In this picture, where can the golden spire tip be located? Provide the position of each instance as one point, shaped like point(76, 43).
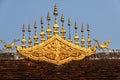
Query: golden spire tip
point(48, 16)
point(29, 30)
point(82, 28)
point(55, 10)
point(35, 25)
point(68, 21)
point(23, 28)
point(41, 21)
point(62, 18)
point(76, 25)
point(88, 27)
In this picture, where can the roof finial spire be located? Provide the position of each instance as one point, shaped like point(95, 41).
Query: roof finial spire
point(48, 16)
point(69, 36)
point(76, 38)
point(23, 37)
point(35, 36)
point(56, 27)
point(48, 29)
point(62, 18)
point(41, 20)
point(42, 34)
point(68, 21)
point(35, 25)
point(76, 26)
point(63, 29)
point(55, 10)
point(83, 40)
point(29, 39)
point(89, 40)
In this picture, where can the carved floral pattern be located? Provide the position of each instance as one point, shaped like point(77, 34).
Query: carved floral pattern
point(55, 50)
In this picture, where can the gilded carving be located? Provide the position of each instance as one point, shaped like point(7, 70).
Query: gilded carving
point(56, 50)
point(103, 46)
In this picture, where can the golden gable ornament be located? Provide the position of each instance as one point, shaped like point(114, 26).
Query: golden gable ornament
point(56, 49)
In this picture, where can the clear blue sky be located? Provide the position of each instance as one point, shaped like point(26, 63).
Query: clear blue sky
point(102, 15)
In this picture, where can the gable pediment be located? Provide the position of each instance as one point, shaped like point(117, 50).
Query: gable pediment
point(55, 50)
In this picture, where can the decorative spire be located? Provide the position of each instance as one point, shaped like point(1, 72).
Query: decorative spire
point(69, 36)
point(35, 25)
point(42, 33)
point(55, 10)
point(29, 30)
point(83, 40)
point(89, 40)
point(56, 26)
point(63, 29)
point(23, 28)
point(76, 38)
point(69, 28)
point(56, 31)
point(62, 18)
point(29, 39)
point(35, 36)
point(41, 21)
point(23, 37)
point(48, 16)
point(68, 21)
point(48, 29)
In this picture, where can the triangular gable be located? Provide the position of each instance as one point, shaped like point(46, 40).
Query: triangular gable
point(55, 50)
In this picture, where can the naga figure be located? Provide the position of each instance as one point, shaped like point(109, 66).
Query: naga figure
point(103, 46)
point(10, 46)
point(94, 48)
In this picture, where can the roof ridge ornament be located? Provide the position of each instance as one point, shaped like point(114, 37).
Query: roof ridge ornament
point(56, 49)
point(23, 37)
point(89, 39)
point(42, 33)
point(83, 40)
point(48, 29)
point(56, 26)
point(29, 38)
point(63, 31)
point(76, 38)
point(35, 35)
point(69, 36)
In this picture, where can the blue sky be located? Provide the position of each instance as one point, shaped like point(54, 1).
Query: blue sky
point(102, 15)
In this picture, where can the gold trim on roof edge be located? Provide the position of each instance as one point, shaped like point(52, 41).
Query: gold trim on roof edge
point(56, 50)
